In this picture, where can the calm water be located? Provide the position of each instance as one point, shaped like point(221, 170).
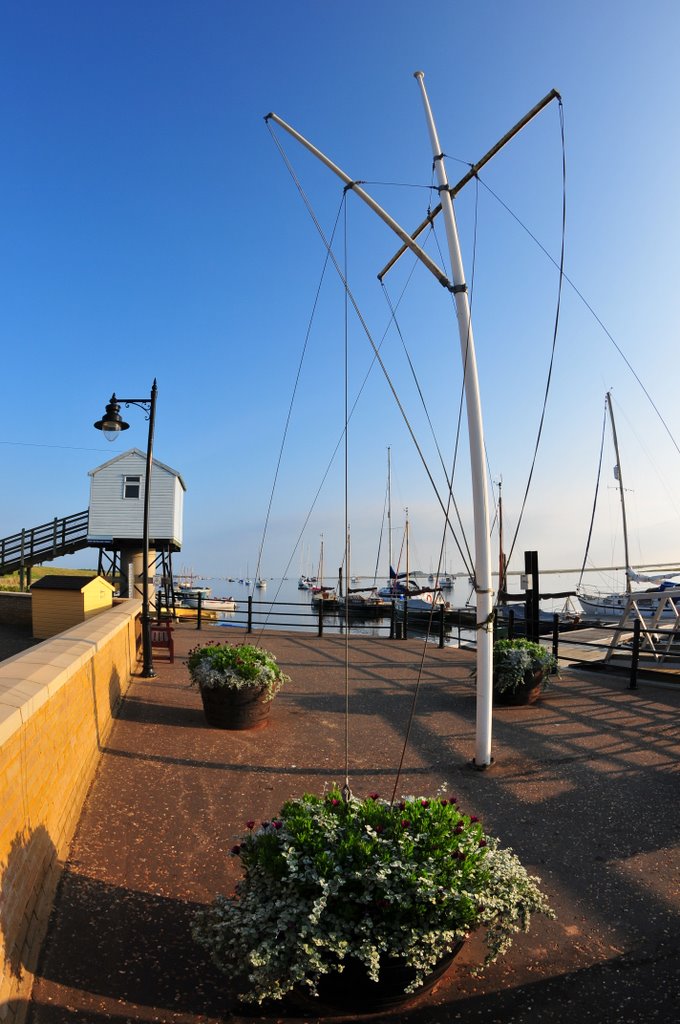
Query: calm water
point(281, 605)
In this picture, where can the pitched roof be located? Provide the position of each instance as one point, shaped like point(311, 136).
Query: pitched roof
point(67, 582)
point(142, 455)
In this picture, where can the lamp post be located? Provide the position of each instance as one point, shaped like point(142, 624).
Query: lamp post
point(112, 423)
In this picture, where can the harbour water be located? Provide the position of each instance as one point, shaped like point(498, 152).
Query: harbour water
point(281, 605)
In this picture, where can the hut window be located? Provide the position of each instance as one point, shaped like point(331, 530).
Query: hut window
point(132, 486)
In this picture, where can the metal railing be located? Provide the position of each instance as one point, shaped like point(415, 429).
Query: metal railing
point(43, 543)
point(252, 615)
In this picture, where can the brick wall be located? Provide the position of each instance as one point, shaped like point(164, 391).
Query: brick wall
point(15, 608)
point(57, 702)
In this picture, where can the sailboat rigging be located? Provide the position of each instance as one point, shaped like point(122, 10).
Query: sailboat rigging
point(458, 289)
point(612, 606)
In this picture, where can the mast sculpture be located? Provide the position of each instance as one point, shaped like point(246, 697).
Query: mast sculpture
point(482, 758)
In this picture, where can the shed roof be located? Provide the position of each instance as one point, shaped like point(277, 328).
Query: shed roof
point(142, 455)
point(68, 582)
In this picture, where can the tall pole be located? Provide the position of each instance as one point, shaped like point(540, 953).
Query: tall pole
point(389, 514)
point(483, 583)
point(619, 477)
point(148, 669)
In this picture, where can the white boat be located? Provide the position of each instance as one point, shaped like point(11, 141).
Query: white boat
point(187, 591)
point(406, 593)
point(653, 603)
point(209, 604)
point(261, 584)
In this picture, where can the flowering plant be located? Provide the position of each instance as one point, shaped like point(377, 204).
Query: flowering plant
point(516, 661)
point(332, 880)
point(236, 666)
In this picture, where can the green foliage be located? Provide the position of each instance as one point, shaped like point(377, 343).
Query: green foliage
point(516, 661)
point(236, 666)
point(330, 879)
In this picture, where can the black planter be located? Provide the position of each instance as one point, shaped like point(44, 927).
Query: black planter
point(353, 991)
point(227, 708)
point(528, 693)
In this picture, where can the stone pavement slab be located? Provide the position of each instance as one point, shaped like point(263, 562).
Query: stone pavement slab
point(584, 788)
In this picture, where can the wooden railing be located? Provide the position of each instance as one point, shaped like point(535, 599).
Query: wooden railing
point(43, 543)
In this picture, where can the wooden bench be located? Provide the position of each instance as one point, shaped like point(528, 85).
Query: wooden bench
point(161, 636)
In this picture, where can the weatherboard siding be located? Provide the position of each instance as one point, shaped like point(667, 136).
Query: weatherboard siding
point(113, 516)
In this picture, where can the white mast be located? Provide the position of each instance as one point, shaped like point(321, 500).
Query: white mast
point(483, 585)
point(484, 590)
point(389, 514)
point(619, 477)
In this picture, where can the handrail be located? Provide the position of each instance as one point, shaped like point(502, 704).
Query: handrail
point(45, 542)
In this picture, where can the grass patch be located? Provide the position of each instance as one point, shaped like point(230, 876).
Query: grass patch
point(12, 580)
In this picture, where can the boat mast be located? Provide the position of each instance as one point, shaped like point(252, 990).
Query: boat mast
point(619, 477)
point(389, 514)
point(501, 556)
point(480, 498)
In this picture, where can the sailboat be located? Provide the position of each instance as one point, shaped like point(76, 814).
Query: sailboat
point(646, 604)
point(406, 592)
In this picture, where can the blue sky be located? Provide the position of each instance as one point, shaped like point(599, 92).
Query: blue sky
point(151, 229)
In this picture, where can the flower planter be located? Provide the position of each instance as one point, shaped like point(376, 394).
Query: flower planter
point(352, 991)
point(528, 693)
point(382, 888)
point(227, 708)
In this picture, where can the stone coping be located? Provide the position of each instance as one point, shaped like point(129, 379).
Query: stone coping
point(30, 678)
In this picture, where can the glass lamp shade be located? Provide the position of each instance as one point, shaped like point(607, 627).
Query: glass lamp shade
point(112, 422)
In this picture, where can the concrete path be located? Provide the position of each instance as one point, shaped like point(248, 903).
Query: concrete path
point(584, 788)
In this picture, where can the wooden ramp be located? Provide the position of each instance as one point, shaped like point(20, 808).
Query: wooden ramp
point(589, 644)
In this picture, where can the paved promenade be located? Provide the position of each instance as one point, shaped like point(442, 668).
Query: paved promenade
point(584, 788)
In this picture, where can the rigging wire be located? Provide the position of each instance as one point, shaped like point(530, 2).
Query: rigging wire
point(597, 488)
point(590, 309)
point(555, 332)
point(448, 479)
point(362, 321)
point(346, 790)
point(288, 419)
point(430, 619)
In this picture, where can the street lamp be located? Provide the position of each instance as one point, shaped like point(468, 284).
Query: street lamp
point(111, 424)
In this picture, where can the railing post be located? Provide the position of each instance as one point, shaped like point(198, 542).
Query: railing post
point(632, 685)
point(511, 624)
point(405, 632)
point(393, 620)
point(199, 609)
point(556, 636)
point(441, 625)
point(321, 617)
point(249, 627)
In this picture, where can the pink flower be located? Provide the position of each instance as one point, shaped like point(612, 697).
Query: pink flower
point(405, 823)
point(277, 824)
point(373, 796)
point(424, 803)
point(250, 824)
point(473, 819)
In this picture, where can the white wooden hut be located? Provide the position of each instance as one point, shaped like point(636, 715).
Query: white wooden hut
point(116, 514)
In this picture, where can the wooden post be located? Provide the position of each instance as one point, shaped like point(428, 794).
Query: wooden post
point(249, 627)
point(441, 625)
point(556, 636)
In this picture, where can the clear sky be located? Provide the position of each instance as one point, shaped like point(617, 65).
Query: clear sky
point(150, 228)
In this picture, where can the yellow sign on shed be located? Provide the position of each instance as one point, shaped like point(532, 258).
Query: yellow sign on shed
point(60, 602)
